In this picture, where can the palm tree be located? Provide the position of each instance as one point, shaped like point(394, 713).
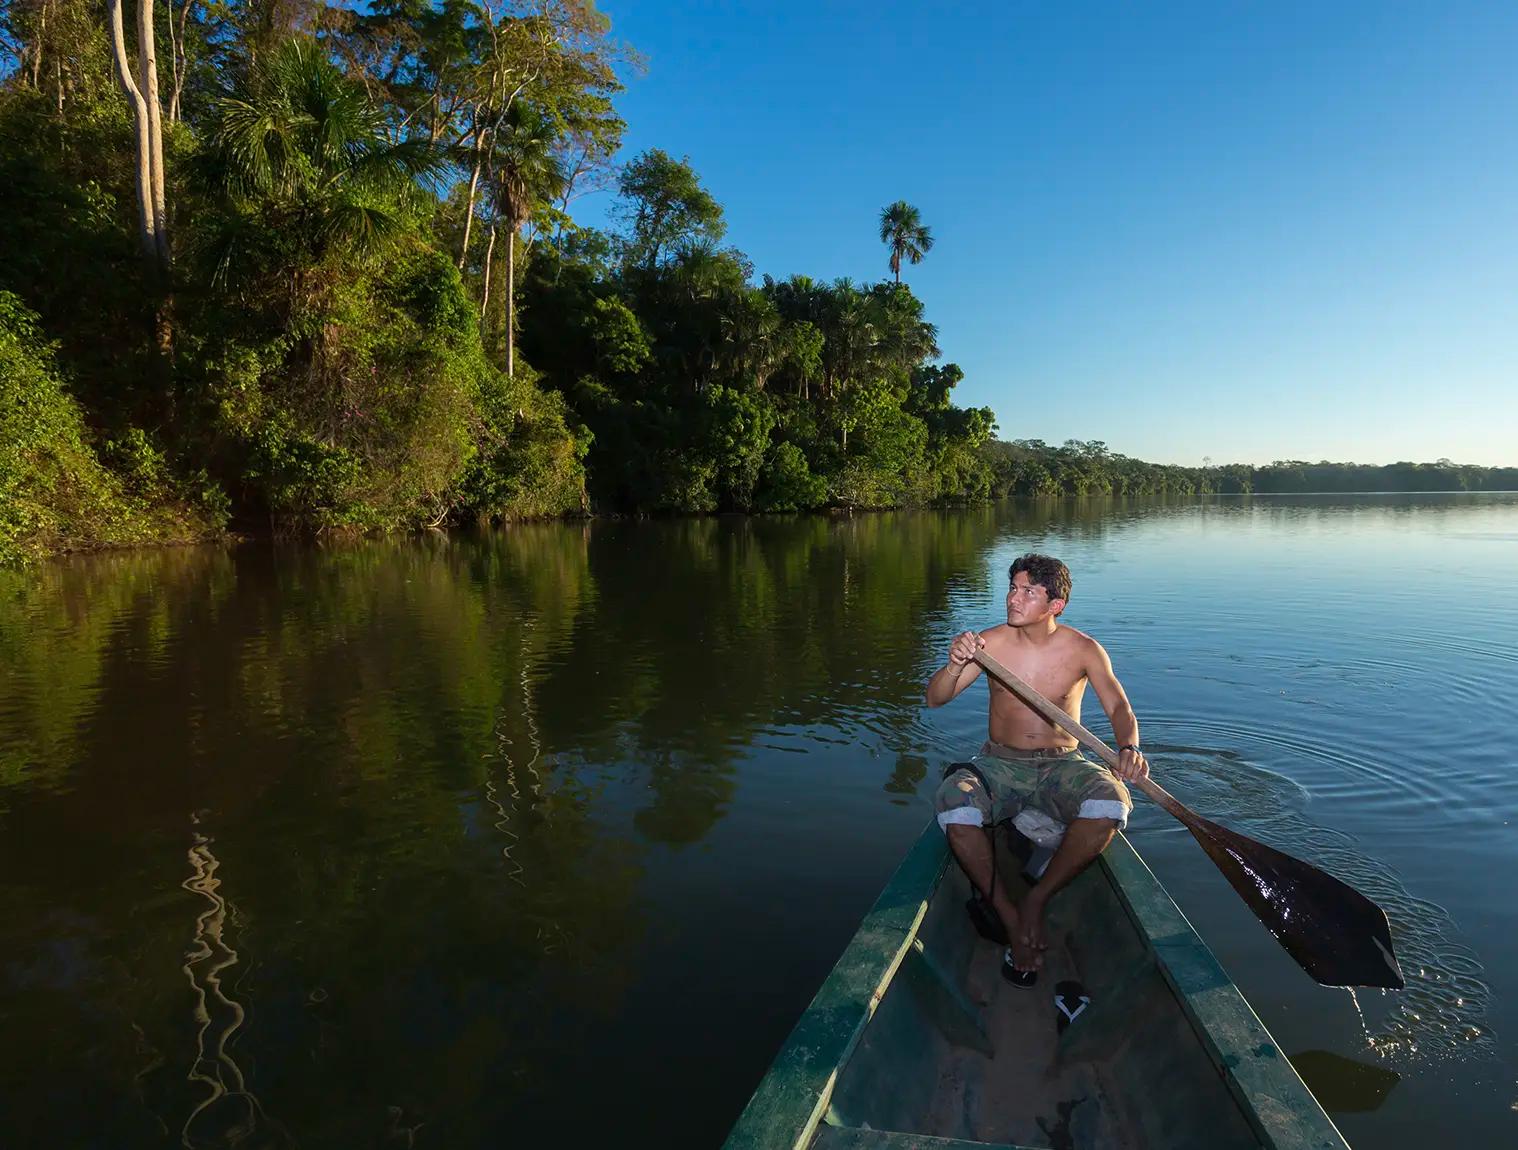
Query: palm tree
point(851, 336)
point(524, 172)
point(300, 153)
point(699, 281)
point(751, 334)
point(904, 338)
point(902, 230)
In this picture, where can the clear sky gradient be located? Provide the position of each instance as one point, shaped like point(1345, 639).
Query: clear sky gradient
point(1239, 231)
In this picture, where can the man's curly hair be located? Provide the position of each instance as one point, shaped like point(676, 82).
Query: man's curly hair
point(1043, 571)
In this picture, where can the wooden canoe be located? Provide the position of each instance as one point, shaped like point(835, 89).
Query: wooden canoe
point(915, 1042)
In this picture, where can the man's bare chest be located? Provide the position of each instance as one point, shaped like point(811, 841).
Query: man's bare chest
point(1055, 680)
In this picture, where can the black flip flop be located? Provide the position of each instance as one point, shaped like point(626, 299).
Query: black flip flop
point(1070, 1000)
point(1021, 979)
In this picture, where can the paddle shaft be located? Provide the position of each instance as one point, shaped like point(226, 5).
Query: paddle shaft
point(1028, 694)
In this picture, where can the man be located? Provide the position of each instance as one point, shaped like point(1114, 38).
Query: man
point(1030, 770)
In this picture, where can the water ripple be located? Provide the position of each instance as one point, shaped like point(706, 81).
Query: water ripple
point(1443, 1011)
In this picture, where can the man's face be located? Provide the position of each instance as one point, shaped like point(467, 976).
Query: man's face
point(1028, 603)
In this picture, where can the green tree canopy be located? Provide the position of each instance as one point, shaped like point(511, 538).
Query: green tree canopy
point(664, 208)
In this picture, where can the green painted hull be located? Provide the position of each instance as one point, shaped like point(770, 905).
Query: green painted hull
point(915, 1042)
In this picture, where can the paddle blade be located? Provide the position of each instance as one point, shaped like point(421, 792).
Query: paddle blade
point(1333, 931)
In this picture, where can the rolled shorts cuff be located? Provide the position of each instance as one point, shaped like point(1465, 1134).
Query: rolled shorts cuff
point(1105, 809)
point(961, 816)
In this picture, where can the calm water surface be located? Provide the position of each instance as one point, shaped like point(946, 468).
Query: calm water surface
point(478, 840)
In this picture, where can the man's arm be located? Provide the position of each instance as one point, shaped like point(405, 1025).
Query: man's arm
point(958, 673)
point(1125, 728)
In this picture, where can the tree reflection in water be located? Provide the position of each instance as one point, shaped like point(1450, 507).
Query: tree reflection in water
point(230, 1114)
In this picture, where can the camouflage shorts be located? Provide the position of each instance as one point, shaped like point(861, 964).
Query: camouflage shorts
point(1042, 793)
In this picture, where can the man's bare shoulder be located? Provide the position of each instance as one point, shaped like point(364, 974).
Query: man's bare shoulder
point(997, 635)
point(1080, 643)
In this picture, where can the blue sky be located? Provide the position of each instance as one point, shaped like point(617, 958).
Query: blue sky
point(1243, 231)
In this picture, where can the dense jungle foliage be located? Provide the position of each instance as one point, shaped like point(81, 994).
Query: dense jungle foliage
point(303, 266)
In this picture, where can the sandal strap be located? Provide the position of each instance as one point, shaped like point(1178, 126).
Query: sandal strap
point(1072, 1015)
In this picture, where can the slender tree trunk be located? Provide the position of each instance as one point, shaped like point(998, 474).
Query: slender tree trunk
point(179, 55)
point(174, 58)
point(147, 221)
point(148, 62)
point(474, 186)
point(511, 279)
point(436, 116)
point(37, 51)
point(485, 290)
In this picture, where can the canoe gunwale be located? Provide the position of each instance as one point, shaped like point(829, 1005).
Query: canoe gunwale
point(1253, 1066)
point(796, 1092)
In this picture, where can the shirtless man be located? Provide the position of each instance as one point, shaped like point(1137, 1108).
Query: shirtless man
point(1035, 773)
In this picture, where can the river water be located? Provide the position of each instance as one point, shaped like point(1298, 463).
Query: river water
point(489, 838)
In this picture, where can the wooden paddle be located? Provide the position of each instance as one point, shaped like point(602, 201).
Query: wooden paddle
point(1333, 931)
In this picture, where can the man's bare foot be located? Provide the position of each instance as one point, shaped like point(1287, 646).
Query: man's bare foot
point(1031, 933)
point(1024, 957)
point(1020, 964)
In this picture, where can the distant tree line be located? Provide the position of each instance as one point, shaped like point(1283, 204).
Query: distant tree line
point(1441, 475)
point(1031, 467)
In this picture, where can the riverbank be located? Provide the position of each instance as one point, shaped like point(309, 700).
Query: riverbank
point(1080, 506)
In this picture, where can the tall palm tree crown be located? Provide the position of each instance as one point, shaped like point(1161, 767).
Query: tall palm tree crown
point(300, 147)
point(902, 230)
point(525, 169)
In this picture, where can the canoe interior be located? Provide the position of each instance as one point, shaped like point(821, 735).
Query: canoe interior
point(915, 1040)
